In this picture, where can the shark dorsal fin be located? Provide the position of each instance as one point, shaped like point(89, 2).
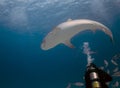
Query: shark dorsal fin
point(69, 19)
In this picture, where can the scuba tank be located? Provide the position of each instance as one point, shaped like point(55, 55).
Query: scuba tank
point(96, 78)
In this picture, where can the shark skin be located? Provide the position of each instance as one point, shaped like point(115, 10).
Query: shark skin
point(66, 30)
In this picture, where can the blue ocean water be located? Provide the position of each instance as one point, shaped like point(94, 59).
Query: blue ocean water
point(24, 24)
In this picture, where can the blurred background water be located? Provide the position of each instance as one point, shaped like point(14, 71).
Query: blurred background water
point(24, 24)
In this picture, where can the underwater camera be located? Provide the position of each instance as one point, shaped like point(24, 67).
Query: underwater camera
point(96, 78)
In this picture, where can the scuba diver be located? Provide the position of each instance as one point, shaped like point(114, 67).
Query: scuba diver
point(96, 78)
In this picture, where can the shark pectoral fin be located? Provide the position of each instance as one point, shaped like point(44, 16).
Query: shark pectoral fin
point(69, 44)
point(93, 30)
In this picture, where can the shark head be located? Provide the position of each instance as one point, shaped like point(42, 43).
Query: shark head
point(51, 40)
point(48, 42)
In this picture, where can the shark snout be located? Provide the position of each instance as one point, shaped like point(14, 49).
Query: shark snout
point(43, 45)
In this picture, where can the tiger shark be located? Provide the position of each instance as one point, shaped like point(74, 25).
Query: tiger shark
point(66, 30)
